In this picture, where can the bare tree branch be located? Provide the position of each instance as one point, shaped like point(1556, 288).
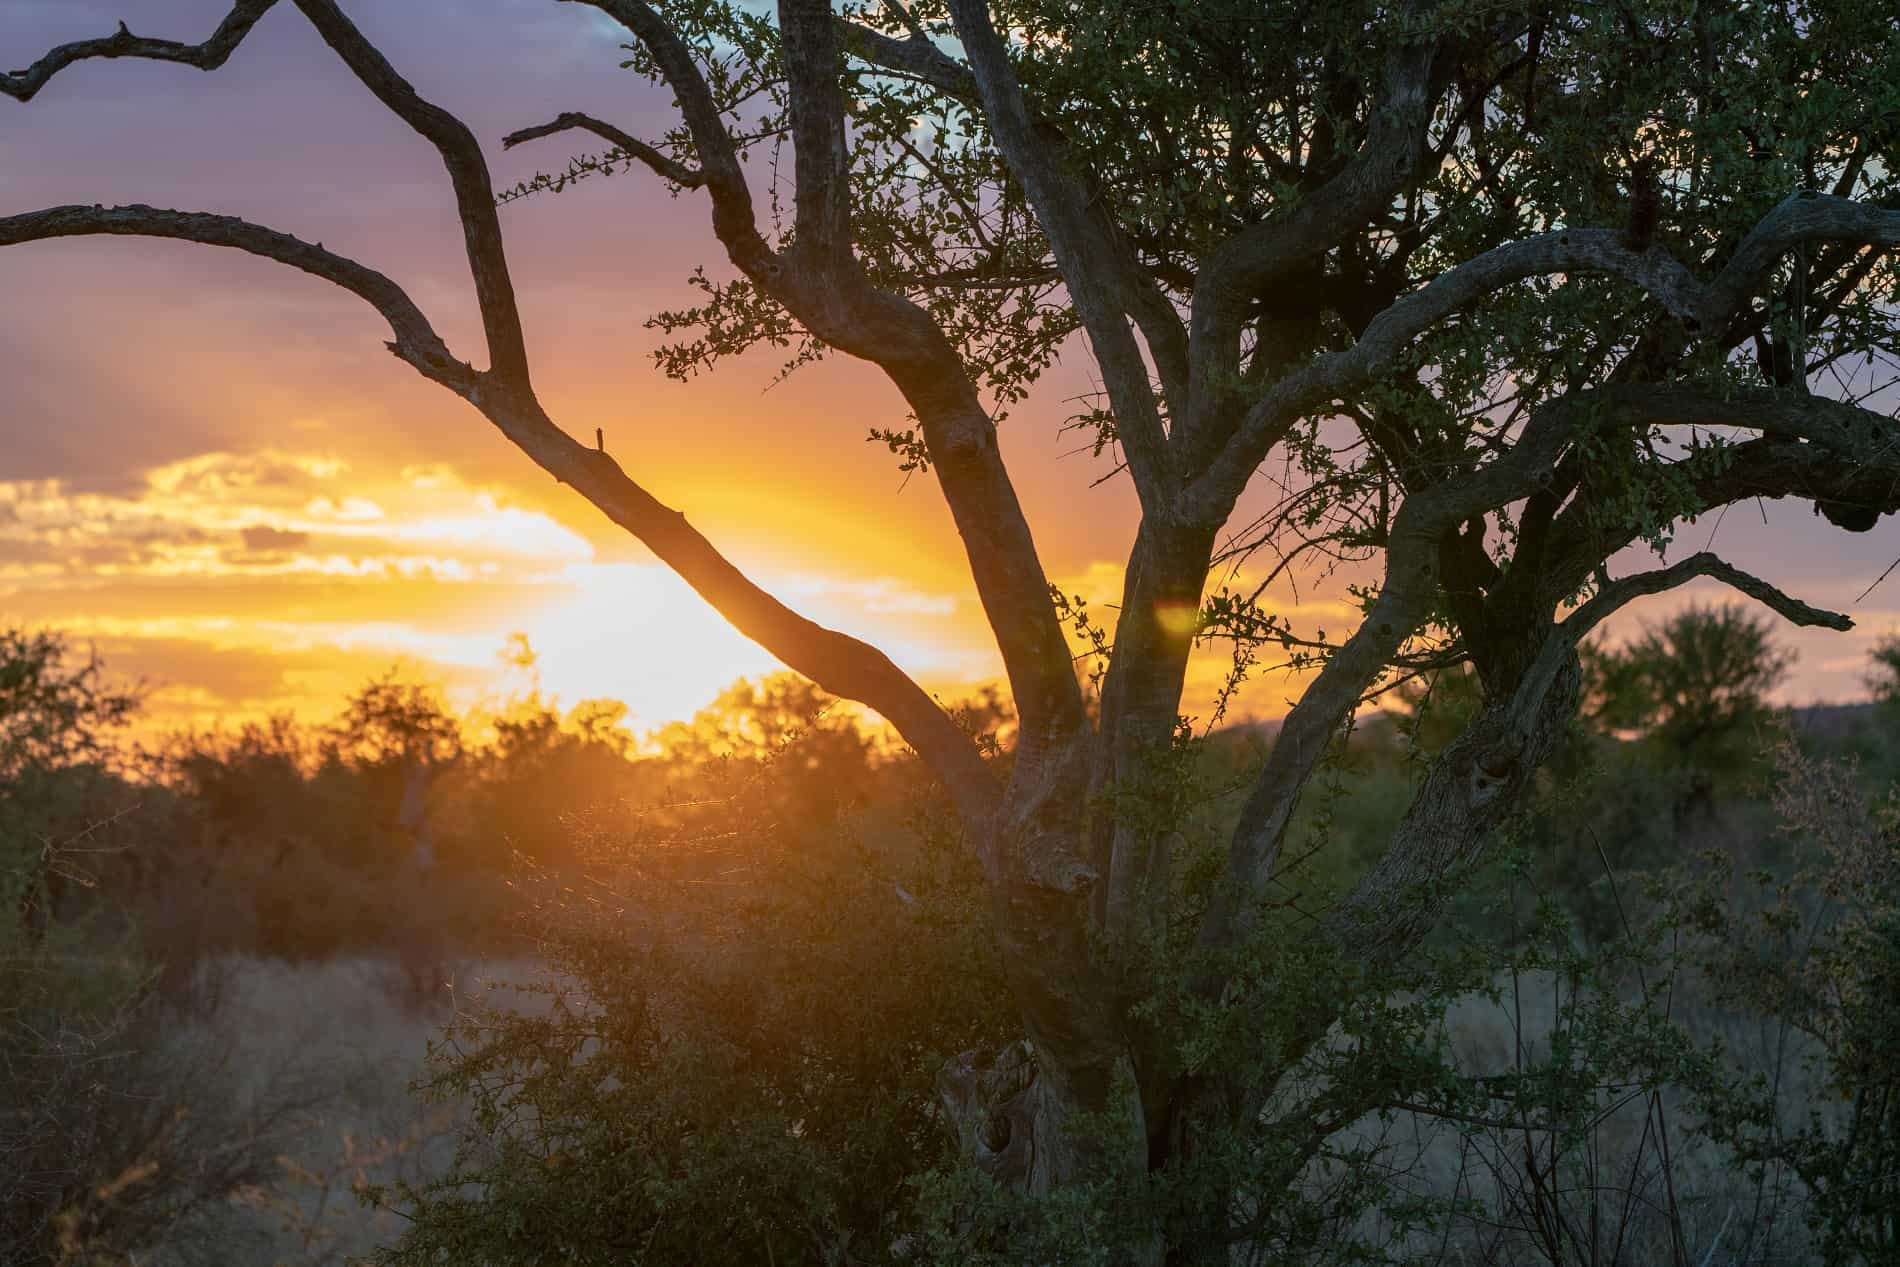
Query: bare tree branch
point(21, 85)
point(734, 222)
point(468, 174)
point(844, 665)
point(1618, 594)
point(415, 339)
point(679, 173)
point(1844, 459)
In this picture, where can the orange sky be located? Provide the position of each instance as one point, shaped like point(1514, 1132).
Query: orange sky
point(209, 466)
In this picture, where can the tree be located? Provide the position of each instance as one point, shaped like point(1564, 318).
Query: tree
point(56, 715)
point(1698, 677)
point(1884, 679)
point(1505, 288)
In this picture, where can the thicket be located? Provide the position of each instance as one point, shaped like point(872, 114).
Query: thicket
point(132, 875)
point(759, 1019)
point(765, 953)
point(105, 1147)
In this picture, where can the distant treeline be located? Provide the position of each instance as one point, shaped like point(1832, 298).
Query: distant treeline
point(392, 829)
point(395, 827)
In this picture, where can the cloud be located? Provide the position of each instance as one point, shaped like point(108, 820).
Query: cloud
point(245, 583)
point(277, 514)
point(262, 538)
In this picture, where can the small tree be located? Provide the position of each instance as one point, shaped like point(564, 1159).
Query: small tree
point(1884, 679)
point(1697, 680)
point(390, 723)
point(1505, 288)
point(57, 715)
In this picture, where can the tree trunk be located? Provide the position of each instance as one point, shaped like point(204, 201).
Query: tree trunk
point(1015, 1112)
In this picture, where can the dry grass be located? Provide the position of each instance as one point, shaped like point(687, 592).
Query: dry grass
point(340, 1041)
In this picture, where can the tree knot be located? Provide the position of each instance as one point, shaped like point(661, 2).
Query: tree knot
point(989, 1101)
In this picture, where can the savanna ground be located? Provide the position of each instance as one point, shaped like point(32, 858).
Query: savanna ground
point(512, 987)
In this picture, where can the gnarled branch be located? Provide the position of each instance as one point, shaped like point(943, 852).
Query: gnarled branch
point(844, 665)
point(1700, 307)
point(415, 339)
point(916, 57)
point(212, 53)
point(627, 143)
point(468, 174)
point(1803, 217)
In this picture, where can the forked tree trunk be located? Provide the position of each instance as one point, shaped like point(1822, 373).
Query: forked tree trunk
point(1015, 1111)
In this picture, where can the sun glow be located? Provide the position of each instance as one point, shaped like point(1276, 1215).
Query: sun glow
point(638, 634)
point(239, 584)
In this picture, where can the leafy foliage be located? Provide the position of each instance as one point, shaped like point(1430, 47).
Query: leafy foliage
point(736, 1040)
point(1819, 951)
point(56, 722)
point(108, 1143)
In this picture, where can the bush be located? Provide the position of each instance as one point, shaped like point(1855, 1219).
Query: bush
point(1819, 953)
point(109, 1142)
point(735, 1044)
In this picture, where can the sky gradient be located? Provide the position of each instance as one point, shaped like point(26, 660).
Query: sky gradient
point(210, 467)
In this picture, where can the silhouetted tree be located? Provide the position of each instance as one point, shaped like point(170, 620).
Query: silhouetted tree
point(1563, 276)
point(1884, 679)
point(1693, 681)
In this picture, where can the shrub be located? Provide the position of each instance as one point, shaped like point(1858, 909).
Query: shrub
point(735, 1043)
